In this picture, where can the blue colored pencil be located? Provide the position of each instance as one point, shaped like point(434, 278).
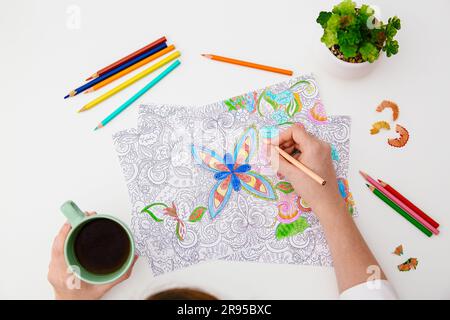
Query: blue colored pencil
point(138, 94)
point(116, 70)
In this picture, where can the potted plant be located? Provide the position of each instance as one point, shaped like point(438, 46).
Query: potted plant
point(356, 36)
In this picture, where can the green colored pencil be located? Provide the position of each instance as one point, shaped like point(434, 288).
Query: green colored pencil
point(402, 212)
point(138, 94)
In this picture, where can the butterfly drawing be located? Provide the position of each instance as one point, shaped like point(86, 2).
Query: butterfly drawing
point(233, 172)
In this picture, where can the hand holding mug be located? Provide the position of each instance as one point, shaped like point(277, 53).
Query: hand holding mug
point(68, 284)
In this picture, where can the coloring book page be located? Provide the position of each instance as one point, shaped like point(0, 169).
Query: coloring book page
point(202, 189)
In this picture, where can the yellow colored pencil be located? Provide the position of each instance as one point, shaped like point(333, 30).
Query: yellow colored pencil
point(130, 81)
point(131, 68)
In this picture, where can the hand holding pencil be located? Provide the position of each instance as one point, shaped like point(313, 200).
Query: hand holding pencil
point(316, 156)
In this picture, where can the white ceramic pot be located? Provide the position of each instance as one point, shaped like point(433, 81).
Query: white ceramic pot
point(343, 69)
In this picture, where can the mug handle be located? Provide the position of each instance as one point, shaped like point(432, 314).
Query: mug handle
point(72, 213)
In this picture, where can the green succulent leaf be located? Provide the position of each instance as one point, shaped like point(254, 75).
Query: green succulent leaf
point(323, 17)
point(345, 7)
point(329, 38)
point(349, 37)
point(348, 51)
point(369, 52)
point(391, 47)
point(395, 22)
point(334, 23)
point(366, 11)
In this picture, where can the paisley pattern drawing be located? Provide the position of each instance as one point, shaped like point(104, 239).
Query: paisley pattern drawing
point(241, 218)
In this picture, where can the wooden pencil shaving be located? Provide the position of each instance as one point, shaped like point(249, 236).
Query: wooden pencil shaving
point(408, 265)
point(377, 126)
point(391, 105)
point(402, 139)
point(398, 251)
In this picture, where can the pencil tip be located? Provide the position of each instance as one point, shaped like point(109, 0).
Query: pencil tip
point(67, 96)
point(81, 110)
point(96, 128)
point(89, 78)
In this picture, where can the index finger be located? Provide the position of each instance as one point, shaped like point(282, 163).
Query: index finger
point(295, 134)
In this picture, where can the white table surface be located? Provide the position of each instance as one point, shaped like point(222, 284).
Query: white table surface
point(49, 153)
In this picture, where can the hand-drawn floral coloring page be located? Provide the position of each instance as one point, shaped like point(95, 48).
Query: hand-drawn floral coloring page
point(201, 187)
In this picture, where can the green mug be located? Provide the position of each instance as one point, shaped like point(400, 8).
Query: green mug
point(78, 219)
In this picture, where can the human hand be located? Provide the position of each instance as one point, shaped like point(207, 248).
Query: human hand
point(60, 278)
point(316, 155)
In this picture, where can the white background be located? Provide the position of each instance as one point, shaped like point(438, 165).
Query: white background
point(49, 153)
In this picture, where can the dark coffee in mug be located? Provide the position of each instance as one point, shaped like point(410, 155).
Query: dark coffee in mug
point(102, 246)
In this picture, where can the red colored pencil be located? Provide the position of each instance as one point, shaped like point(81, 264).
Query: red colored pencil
point(409, 204)
point(127, 58)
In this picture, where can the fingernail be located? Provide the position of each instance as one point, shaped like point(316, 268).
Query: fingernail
point(299, 124)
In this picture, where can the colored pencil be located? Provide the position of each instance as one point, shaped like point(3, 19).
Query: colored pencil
point(127, 58)
point(116, 70)
point(130, 68)
point(301, 166)
point(409, 203)
point(399, 210)
point(130, 81)
point(138, 94)
point(399, 203)
point(248, 64)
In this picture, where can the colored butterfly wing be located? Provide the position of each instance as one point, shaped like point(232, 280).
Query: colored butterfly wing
point(257, 184)
point(208, 159)
point(219, 196)
point(245, 147)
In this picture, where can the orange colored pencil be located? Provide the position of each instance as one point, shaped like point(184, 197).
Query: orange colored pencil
point(130, 68)
point(248, 64)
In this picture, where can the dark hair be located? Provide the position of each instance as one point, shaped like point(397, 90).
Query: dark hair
point(182, 294)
